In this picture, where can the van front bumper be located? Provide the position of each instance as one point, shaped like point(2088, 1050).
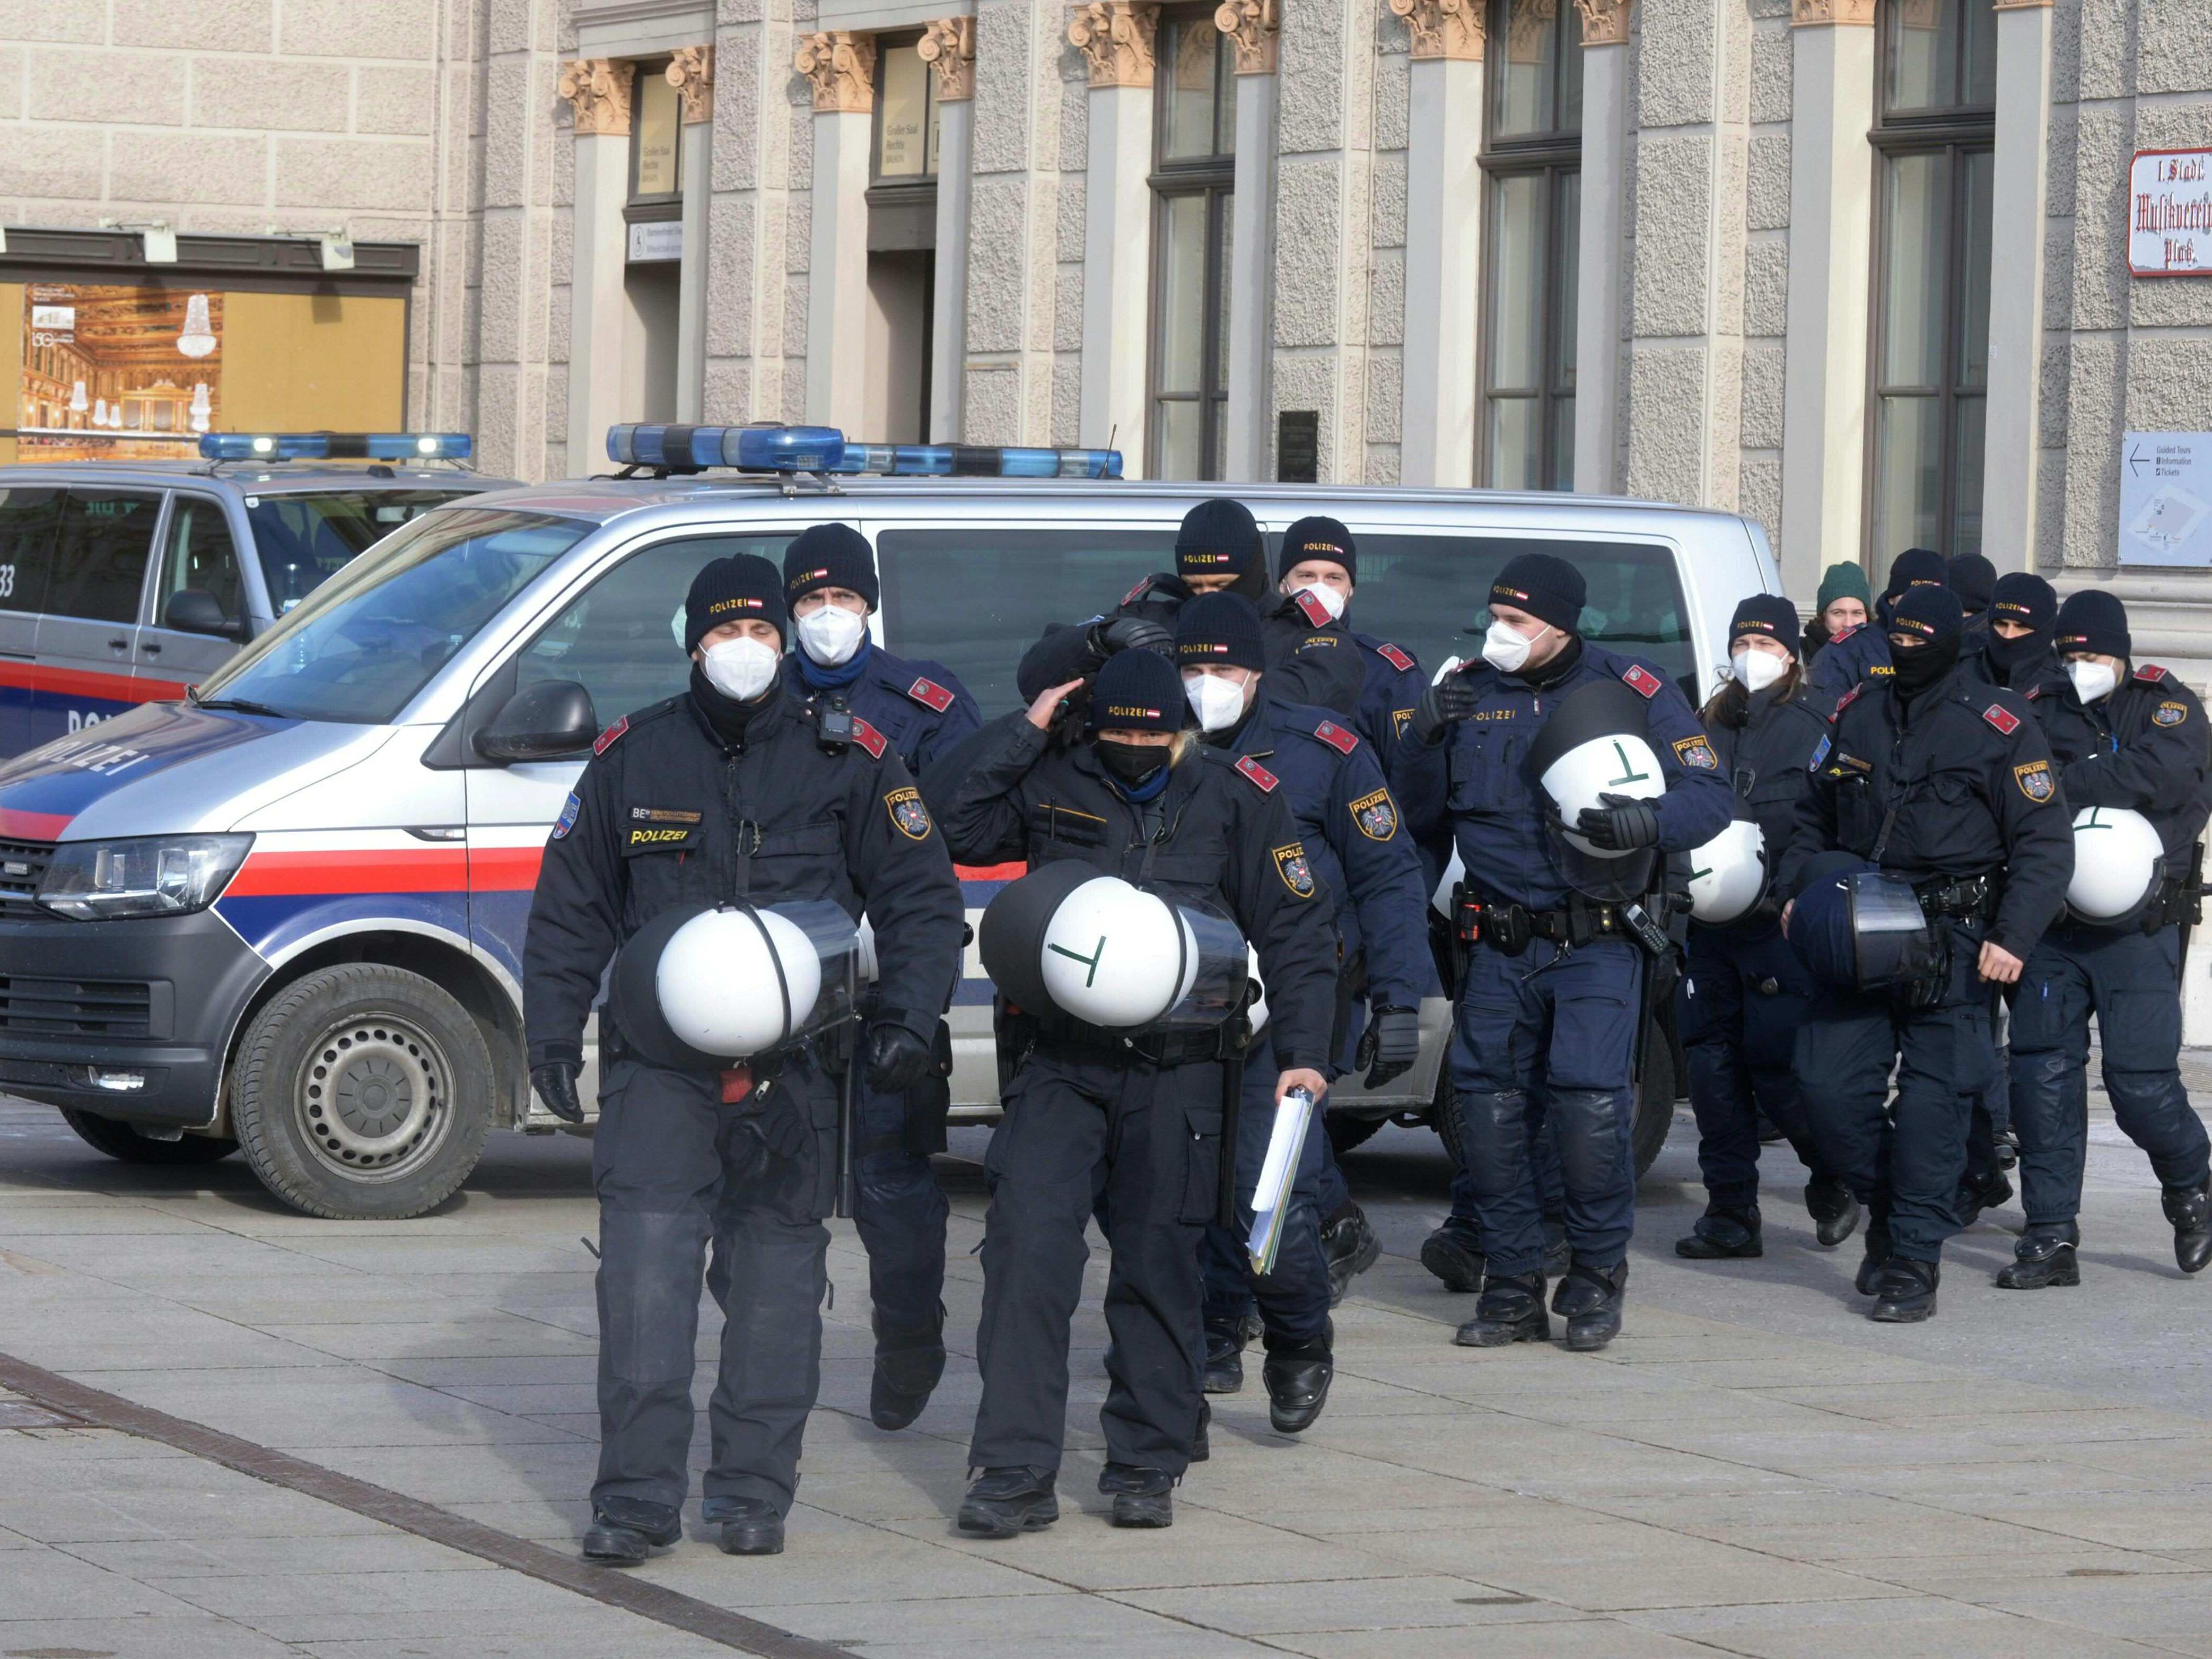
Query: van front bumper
point(126, 1018)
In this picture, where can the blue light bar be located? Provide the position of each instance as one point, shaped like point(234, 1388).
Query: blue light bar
point(336, 446)
point(750, 449)
point(978, 461)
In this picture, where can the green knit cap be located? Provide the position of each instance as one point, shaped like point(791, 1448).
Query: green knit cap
point(1842, 581)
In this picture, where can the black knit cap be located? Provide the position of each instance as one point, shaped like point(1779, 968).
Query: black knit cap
point(1931, 612)
point(1546, 587)
point(1765, 613)
point(1219, 537)
point(829, 555)
point(1973, 579)
point(1138, 691)
point(743, 588)
point(1317, 537)
point(2021, 596)
point(1219, 630)
point(2094, 620)
point(1915, 567)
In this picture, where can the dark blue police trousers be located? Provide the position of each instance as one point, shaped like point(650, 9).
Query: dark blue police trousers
point(1293, 1299)
point(1737, 1010)
point(900, 1211)
point(2131, 982)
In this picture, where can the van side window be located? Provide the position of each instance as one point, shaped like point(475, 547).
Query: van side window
point(622, 638)
point(99, 554)
point(199, 554)
point(28, 518)
point(975, 600)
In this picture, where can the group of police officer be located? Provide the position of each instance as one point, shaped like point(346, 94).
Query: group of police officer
point(1222, 739)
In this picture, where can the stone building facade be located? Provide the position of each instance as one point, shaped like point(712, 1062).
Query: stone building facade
point(1856, 268)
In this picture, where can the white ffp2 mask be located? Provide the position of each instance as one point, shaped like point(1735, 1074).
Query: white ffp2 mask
point(741, 668)
point(1757, 670)
point(2091, 680)
point(1329, 598)
point(831, 634)
point(1506, 647)
point(1217, 701)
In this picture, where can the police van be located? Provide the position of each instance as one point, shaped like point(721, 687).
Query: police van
point(287, 912)
point(123, 582)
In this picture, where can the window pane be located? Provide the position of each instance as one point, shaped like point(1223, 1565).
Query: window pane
point(1516, 262)
point(903, 140)
point(1912, 277)
point(28, 518)
point(1562, 469)
point(1224, 60)
point(99, 554)
point(1175, 447)
point(1942, 54)
point(1187, 48)
point(1514, 455)
point(1183, 293)
point(199, 555)
point(1564, 288)
point(1225, 263)
point(1975, 166)
point(1528, 75)
point(1907, 479)
point(1966, 421)
point(1979, 25)
point(304, 538)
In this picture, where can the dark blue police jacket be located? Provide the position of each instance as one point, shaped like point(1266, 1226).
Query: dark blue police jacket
point(1476, 777)
point(1354, 841)
point(917, 704)
point(1388, 696)
point(1856, 655)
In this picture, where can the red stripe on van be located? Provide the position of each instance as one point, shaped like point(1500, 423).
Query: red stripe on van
point(34, 826)
point(433, 870)
point(89, 683)
point(504, 869)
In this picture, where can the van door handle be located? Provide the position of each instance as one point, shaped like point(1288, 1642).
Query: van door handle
point(118, 645)
point(150, 650)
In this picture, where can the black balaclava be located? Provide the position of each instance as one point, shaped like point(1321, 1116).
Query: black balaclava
point(1932, 613)
point(2021, 596)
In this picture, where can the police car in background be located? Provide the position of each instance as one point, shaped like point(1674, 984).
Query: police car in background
point(287, 914)
point(123, 582)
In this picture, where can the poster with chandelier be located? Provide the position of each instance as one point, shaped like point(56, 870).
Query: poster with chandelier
point(114, 373)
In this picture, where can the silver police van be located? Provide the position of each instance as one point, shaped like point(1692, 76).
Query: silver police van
point(287, 913)
point(123, 582)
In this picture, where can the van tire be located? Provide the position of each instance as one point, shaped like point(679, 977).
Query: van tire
point(1350, 1129)
point(119, 1139)
point(362, 1092)
point(1647, 1132)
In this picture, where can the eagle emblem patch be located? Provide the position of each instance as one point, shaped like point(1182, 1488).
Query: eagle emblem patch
point(567, 821)
point(908, 814)
point(2035, 780)
point(1376, 815)
point(1400, 719)
point(1696, 751)
point(1290, 864)
point(2169, 714)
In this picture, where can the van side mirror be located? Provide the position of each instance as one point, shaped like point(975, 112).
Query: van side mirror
point(551, 720)
point(195, 610)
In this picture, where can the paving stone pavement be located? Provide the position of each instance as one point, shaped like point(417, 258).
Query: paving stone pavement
point(1751, 1469)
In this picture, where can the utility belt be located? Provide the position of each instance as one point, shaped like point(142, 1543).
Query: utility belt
point(1018, 1030)
point(1509, 927)
point(1970, 898)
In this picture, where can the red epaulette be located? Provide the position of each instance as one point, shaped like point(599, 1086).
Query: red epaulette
point(2032, 693)
point(1130, 597)
point(1397, 658)
point(2003, 718)
point(1641, 679)
point(868, 737)
point(1848, 698)
point(2151, 671)
point(1337, 737)
point(1258, 774)
point(930, 695)
point(606, 740)
point(1316, 613)
point(1837, 639)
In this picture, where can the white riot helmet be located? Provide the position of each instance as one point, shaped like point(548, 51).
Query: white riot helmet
point(2117, 855)
point(1255, 1012)
point(1728, 874)
point(1594, 746)
point(700, 987)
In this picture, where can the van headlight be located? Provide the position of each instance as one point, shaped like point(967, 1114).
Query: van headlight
point(148, 876)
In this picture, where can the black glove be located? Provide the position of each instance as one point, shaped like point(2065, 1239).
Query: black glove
point(1130, 634)
point(1451, 698)
point(1622, 825)
point(782, 1120)
point(896, 1058)
point(556, 1083)
point(1390, 1044)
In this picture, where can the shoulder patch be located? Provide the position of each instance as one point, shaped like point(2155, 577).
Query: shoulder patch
point(2151, 671)
point(1641, 679)
point(1292, 865)
point(606, 740)
point(2169, 714)
point(567, 821)
point(1130, 597)
point(1336, 737)
point(930, 695)
point(1696, 751)
point(1400, 719)
point(1376, 815)
point(2003, 718)
point(2032, 693)
point(908, 816)
point(1312, 639)
point(2035, 780)
point(1315, 613)
point(1819, 754)
point(1850, 697)
point(1397, 658)
point(1839, 637)
point(868, 737)
point(1258, 775)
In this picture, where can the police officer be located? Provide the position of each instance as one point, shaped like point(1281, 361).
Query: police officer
point(1973, 579)
point(1947, 782)
point(1541, 1032)
point(2125, 735)
point(1348, 823)
point(2023, 611)
point(1136, 1120)
point(1842, 604)
point(830, 583)
point(731, 791)
point(1864, 654)
point(1740, 1003)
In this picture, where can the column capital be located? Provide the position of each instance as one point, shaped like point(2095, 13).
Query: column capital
point(841, 66)
point(598, 90)
point(2019, 5)
point(1115, 38)
point(948, 46)
point(1252, 27)
point(1605, 22)
point(691, 72)
point(1443, 28)
point(1816, 14)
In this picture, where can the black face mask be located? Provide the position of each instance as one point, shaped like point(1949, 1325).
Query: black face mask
point(2007, 654)
point(1134, 763)
point(1920, 666)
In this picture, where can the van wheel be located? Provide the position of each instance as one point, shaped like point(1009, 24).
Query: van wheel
point(363, 1093)
point(1647, 1132)
point(118, 1139)
point(1349, 1129)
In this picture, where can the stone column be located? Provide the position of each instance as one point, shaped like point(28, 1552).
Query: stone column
point(599, 92)
point(751, 301)
point(1604, 203)
point(1115, 38)
point(1251, 27)
point(948, 47)
point(2018, 189)
point(1444, 240)
point(841, 67)
point(1824, 406)
point(692, 74)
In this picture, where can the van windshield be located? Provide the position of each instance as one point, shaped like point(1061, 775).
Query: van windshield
point(360, 646)
point(303, 538)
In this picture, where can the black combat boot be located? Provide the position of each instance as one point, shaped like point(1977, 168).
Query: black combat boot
point(1350, 1247)
point(2189, 1210)
point(1723, 1232)
point(1835, 1212)
point(1977, 1195)
point(1224, 1355)
point(2043, 1257)
point(1510, 1310)
point(1453, 1253)
point(1877, 1256)
point(908, 1363)
point(1297, 1383)
point(1142, 1497)
point(1905, 1294)
point(624, 1530)
point(1588, 1298)
point(1004, 1501)
point(1558, 1254)
point(750, 1526)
